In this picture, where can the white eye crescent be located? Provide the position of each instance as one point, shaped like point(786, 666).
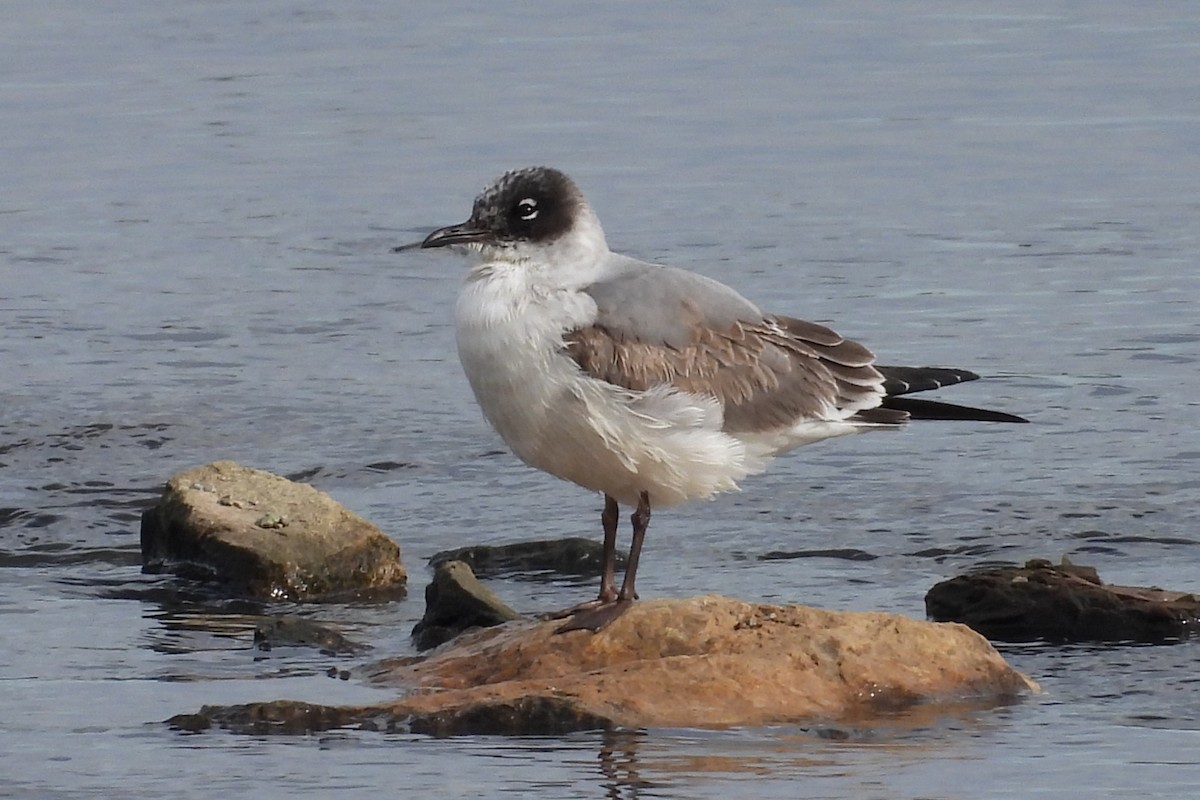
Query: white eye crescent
point(527, 209)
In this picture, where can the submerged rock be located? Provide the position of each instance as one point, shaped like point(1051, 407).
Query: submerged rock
point(1062, 603)
point(573, 555)
point(701, 662)
point(289, 630)
point(262, 535)
point(455, 602)
point(526, 716)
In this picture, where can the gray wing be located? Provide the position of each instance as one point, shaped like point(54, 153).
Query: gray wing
point(665, 305)
point(658, 325)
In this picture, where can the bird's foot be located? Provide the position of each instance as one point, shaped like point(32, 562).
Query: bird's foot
point(571, 611)
point(606, 597)
point(594, 616)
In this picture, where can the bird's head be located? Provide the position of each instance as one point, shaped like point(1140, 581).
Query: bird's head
point(523, 214)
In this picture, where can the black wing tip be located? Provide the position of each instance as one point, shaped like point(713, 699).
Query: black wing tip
point(899, 381)
point(906, 380)
point(882, 415)
point(919, 408)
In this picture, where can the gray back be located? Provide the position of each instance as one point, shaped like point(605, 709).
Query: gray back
point(665, 305)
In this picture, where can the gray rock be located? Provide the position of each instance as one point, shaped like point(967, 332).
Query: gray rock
point(525, 716)
point(455, 602)
point(573, 556)
point(261, 535)
point(1060, 603)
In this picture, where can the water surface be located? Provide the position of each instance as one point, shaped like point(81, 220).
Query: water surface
point(199, 203)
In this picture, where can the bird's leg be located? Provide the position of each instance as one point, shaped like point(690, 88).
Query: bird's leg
point(610, 517)
point(597, 615)
point(640, 520)
point(608, 571)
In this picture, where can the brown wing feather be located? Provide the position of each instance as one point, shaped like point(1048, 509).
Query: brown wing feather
point(768, 374)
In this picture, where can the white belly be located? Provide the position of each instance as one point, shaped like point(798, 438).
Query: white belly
point(597, 435)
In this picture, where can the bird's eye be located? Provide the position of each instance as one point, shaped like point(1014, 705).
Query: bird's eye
point(527, 209)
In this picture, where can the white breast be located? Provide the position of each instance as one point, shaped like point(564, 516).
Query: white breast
point(508, 342)
point(556, 418)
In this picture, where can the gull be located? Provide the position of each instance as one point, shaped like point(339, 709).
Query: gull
point(649, 384)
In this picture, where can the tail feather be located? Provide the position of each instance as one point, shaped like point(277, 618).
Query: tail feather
point(919, 408)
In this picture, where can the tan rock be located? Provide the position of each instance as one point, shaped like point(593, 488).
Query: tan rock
point(717, 661)
point(702, 662)
point(264, 535)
